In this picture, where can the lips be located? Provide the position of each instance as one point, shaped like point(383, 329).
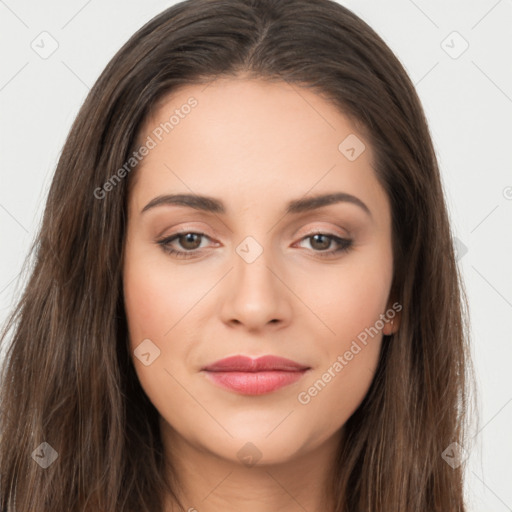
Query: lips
point(247, 364)
point(249, 376)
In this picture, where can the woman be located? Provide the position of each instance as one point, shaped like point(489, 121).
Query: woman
point(245, 294)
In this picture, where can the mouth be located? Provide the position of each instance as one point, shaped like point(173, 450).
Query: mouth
point(254, 376)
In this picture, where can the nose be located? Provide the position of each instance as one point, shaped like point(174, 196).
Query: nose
point(255, 295)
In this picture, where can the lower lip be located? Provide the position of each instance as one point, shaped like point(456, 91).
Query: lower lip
point(255, 383)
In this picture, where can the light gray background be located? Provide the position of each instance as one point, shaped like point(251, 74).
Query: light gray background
point(468, 102)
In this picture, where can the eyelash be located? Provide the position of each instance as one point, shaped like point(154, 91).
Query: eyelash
point(345, 244)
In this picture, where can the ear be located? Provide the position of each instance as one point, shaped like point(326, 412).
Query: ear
point(392, 324)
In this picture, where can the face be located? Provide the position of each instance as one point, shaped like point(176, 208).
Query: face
point(259, 269)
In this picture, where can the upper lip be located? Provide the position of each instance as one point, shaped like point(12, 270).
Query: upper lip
point(247, 364)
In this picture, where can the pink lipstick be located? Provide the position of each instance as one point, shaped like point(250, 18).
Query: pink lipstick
point(254, 376)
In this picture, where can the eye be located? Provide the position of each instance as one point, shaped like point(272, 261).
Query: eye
point(322, 241)
point(189, 240)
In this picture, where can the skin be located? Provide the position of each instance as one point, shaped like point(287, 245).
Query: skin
point(255, 146)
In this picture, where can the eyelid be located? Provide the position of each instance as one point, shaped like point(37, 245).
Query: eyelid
point(202, 229)
point(306, 233)
point(301, 233)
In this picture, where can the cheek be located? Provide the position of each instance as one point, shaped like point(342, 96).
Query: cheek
point(349, 302)
point(336, 391)
point(349, 351)
point(347, 299)
point(156, 304)
point(157, 296)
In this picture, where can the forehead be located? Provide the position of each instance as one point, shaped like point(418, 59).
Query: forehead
point(250, 141)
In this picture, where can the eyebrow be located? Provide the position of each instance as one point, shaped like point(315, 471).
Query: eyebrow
point(213, 205)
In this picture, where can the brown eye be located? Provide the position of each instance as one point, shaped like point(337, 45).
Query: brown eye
point(320, 241)
point(182, 245)
point(189, 241)
point(321, 244)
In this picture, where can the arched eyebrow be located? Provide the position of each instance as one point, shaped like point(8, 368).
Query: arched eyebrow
point(214, 205)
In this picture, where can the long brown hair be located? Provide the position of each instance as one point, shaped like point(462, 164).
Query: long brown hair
point(67, 377)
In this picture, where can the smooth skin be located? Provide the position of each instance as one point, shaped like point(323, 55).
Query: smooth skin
point(255, 146)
